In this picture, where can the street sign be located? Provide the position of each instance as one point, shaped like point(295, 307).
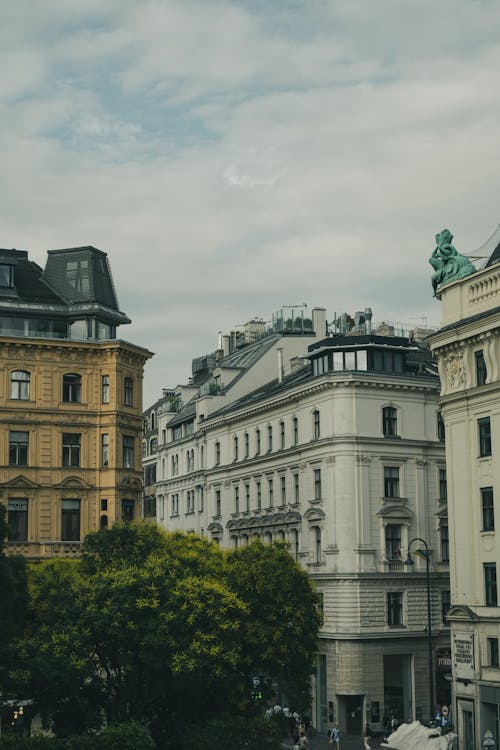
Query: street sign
point(488, 739)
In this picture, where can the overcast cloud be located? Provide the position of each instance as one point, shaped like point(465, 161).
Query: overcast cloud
point(235, 156)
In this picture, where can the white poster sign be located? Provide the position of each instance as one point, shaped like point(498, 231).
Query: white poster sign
point(463, 655)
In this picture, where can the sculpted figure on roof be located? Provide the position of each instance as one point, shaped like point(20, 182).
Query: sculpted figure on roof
point(448, 264)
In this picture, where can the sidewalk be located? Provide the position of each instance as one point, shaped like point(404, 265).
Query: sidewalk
point(348, 742)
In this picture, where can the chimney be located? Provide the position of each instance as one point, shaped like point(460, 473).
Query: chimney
point(319, 321)
point(226, 346)
point(296, 364)
point(280, 365)
point(219, 343)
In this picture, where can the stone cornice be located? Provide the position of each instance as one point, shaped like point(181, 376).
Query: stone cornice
point(270, 404)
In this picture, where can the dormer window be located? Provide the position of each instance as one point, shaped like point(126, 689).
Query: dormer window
point(6, 276)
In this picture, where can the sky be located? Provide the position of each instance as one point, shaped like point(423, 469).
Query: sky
point(235, 156)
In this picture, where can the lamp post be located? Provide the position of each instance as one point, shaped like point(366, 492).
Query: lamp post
point(409, 561)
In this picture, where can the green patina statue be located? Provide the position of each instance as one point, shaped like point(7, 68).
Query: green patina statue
point(447, 263)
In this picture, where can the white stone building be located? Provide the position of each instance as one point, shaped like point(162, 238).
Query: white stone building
point(340, 455)
point(467, 348)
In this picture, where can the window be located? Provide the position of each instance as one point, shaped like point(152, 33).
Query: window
point(217, 453)
point(247, 498)
point(247, 445)
point(72, 388)
point(128, 393)
point(236, 499)
point(174, 507)
point(20, 385)
point(440, 427)
point(484, 427)
point(296, 487)
point(393, 541)
point(320, 607)
point(127, 511)
point(235, 449)
point(190, 501)
point(77, 275)
point(105, 389)
point(257, 442)
point(316, 429)
point(17, 519)
point(445, 542)
point(104, 450)
point(269, 439)
point(480, 368)
point(70, 520)
point(493, 652)
point(445, 605)
point(389, 421)
point(18, 448)
point(71, 449)
point(128, 452)
point(395, 609)
point(487, 508)
point(217, 503)
point(282, 435)
point(490, 584)
point(317, 484)
point(270, 485)
point(104, 504)
point(295, 427)
point(391, 481)
point(6, 275)
point(316, 532)
point(259, 495)
point(283, 490)
point(201, 500)
point(443, 485)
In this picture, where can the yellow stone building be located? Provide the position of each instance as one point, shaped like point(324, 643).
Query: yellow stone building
point(70, 402)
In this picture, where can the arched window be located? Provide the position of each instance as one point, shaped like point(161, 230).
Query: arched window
point(257, 442)
point(235, 448)
point(217, 453)
point(154, 445)
point(202, 456)
point(247, 445)
point(104, 522)
point(72, 388)
point(294, 543)
point(389, 421)
point(316, 536)
point(295, 427)
point(128, 395)
point(269, 438)
point(153, 418)
point(316, 429)
point(20, 385)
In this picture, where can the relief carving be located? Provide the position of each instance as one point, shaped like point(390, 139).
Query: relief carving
point(455, 372)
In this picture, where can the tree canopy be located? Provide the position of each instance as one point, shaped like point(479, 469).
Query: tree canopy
point(148, 625)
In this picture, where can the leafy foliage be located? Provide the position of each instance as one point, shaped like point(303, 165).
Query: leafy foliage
point(130, 736)
point(230, 732)
point(148, 625)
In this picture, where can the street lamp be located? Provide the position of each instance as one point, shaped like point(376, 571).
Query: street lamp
point(409, 561)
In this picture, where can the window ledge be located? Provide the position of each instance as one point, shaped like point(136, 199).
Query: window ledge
point(392, 437)
point(397, 627)
point(487, 532)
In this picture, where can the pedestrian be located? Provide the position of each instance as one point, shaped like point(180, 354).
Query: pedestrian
point(303, 741)
point(296, 738)
point(366, 736)
point(335, 737)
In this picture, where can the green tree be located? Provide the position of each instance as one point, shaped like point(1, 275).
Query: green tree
point(13, 603)
point(281, 628)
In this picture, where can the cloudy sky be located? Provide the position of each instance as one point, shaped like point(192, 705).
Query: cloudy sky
point(234, 156)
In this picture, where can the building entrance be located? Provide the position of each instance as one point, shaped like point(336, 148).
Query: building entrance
point(354, 713)
point(398, 701)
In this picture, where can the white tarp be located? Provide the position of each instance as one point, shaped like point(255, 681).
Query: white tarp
point(415, 737)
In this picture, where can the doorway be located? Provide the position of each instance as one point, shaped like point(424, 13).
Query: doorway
point(354, 713)
point(398, 687)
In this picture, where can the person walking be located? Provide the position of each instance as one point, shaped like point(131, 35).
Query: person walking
point(335, 737)
point(303, 741)
point(366, 737)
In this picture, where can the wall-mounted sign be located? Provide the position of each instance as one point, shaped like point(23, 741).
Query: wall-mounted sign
point(463, 655)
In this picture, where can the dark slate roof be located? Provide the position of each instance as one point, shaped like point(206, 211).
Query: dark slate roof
point(29, 285)
point(494, 257)
point(466, 321)
point(186, 414)
point(341, 341)
point(81, 274)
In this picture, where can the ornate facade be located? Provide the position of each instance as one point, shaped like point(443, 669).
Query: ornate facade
point(467, 348)
point(344, 460)
point(70, 403)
